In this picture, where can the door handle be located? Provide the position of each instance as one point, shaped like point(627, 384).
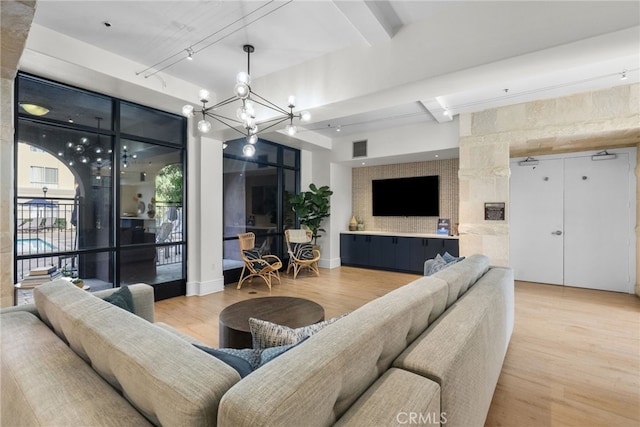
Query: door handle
point(557, 232)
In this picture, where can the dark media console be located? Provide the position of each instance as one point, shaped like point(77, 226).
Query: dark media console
point(383, 251)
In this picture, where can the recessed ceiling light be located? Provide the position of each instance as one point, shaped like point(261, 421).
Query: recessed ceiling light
point(436, 156)
point(34, 109)
point(70, 120)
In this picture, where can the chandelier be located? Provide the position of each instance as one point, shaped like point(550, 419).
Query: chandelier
point(245, 120)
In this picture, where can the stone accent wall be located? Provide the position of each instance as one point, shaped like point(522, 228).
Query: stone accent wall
point(15, 18)
point(594, 120)
point(447, 170)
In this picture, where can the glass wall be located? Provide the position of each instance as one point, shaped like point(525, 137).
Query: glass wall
point(81, 159)
point(255, 191)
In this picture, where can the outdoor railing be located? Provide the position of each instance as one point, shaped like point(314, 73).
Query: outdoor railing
point(46, 235)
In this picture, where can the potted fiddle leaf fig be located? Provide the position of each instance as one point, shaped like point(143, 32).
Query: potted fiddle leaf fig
point(311, 208)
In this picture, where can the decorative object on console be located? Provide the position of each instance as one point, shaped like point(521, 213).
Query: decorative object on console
point(444, 226)
point(353, 224)
point(360, 225)
point(245, 114)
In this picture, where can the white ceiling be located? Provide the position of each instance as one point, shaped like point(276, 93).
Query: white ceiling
point(463, 55)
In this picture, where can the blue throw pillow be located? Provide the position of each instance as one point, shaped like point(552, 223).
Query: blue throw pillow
point(438, 264)
point(246, 360)
point(122, 298)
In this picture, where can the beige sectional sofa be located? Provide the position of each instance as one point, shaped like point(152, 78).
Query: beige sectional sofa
point(428, 353)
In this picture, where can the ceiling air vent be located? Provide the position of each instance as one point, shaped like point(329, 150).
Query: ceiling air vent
point(359, 148)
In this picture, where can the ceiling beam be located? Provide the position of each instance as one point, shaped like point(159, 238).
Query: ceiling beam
point(374, 21)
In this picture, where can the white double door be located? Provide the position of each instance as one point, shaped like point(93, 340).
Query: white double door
point(572, 221)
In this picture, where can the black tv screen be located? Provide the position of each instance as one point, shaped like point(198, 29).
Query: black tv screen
point(415, 196)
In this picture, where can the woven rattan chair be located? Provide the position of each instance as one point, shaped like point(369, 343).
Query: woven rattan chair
point(256, 264)
point(301, 254)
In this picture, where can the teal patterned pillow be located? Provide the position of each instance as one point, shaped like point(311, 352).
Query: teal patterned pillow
point(267, 334)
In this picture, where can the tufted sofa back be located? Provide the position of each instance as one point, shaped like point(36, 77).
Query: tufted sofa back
point(315, 383)
point(164, 377)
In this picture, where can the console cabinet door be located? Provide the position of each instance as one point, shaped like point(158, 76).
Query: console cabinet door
point(451, 246)
point(382, 252)
point(354, 249)
point(409, 254)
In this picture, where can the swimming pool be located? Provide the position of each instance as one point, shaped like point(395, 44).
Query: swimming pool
point(34, 245)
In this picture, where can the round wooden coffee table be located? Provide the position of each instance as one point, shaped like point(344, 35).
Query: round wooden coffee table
point(288, 311)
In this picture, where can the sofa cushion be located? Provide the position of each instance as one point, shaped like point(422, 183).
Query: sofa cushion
point(462, 275)
point(45, 383)
point(464, 349)
point(146, 363)
point(312, 382)
point(267, 334)
point(397, 398)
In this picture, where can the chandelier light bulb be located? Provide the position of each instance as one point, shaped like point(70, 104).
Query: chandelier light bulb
point(291, 129)
point(241, 114)
point(248, 106)
point(187, 110)
point(305, 116)
point(252, 139)
point(241, 90)
point(249, 150)
point(243, 77)
point(291, 101)
point(204, 95)
point(204, 126)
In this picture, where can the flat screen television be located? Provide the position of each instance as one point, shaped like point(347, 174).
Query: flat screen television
point(414, 196)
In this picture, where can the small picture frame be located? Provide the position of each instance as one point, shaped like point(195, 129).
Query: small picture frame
point(494, 211)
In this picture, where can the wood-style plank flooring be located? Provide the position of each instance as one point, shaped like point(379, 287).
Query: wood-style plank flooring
point(573, 360)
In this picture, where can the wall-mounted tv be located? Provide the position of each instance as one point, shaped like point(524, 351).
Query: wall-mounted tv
point(414, 196)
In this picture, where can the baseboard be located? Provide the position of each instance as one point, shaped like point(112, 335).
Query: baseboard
point(329, 263)
point(205, 288)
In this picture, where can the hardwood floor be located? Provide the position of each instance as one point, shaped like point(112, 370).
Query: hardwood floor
point(573, 360)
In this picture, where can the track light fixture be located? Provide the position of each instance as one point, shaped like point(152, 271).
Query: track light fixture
point(245, 120)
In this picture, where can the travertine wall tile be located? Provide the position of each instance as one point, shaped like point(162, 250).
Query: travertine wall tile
point(574, 108)
point(484, 122)
point(612, 102)
point(511, 117)
point(464, 122)
point(540, 113)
